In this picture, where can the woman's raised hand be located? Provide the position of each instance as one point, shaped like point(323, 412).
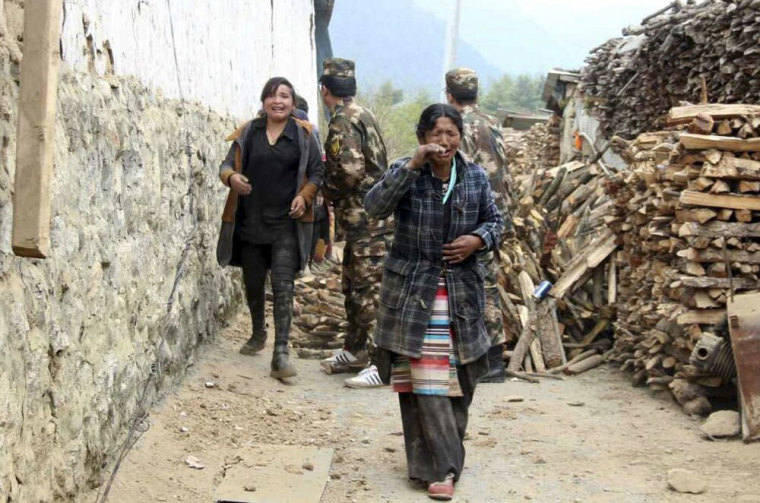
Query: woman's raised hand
point(461, 248)
point(239, 183)
point(297, 207)
point(422, 154)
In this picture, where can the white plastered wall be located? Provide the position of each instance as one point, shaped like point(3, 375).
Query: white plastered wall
point(225, 49)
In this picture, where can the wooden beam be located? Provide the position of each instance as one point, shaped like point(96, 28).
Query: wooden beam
point(703, 142)
point(685, 114)
point(36, 128)
point(594, 254)
point(713, 256)
point(720, 200)
point(702, 317)
point(733, 168)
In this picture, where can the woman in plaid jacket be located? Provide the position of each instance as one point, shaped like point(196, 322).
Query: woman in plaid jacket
point(432, 295)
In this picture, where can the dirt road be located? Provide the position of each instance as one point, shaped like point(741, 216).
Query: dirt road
point(591, 438)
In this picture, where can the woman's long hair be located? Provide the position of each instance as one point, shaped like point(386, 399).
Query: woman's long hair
point(434, 112)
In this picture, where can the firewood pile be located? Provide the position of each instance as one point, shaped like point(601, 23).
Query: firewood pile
point(687, 215)
point(570, 202)
point(691, 53)
point(319, 320)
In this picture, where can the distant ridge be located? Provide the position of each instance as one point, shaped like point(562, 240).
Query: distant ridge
point(398, 41)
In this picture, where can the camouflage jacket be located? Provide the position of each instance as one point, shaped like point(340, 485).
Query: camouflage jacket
point(483, 143)
point(356, 160)
point(412, 268)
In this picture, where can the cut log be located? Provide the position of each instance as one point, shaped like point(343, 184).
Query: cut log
point(594, 255)
point(733, 168)
point(584, 365)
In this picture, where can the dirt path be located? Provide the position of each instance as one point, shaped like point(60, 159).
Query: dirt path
point(591, 438)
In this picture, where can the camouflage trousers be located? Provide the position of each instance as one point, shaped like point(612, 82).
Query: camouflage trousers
point(492, 315)
point(362, 273)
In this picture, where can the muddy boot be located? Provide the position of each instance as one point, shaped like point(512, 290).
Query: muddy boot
point(281, 365)
point(255, 343)
point(496, 362)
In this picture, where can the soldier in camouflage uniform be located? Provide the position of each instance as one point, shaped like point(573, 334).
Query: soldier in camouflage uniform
point(356, 160)
point(484, 144)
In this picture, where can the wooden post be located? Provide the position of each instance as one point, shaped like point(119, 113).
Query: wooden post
point(36, 128)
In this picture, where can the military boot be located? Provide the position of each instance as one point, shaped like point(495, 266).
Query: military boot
point(281, 365)
point(496, 362)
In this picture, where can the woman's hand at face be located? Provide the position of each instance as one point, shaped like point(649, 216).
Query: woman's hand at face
point(461, 248)
point(239, 183)
point(422, 154)
point(297, 207)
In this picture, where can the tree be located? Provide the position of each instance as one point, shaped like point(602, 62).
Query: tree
point(519, 94)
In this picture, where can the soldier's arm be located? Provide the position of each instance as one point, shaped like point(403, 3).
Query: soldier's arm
point(490, 221)
point(344, 169)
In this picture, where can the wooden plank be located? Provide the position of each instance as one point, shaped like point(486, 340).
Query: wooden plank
point(570, 167)
point(36, 128)
point(711, 255)
point(685, 114)
point(703, 142)
point(720, 200)
point(702, 317)
point(720, 229)
point(744, 329)
point(709, 282)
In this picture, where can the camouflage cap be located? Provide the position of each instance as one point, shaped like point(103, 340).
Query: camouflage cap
point(338, 67)
point(461, 80)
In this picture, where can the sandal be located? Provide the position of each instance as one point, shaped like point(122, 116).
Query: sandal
point(442, 491)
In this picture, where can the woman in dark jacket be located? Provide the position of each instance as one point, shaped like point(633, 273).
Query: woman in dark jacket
point(432, 295)
point(274, 169)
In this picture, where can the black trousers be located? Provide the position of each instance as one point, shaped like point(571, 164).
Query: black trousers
point(281, 258)
point(435, 426)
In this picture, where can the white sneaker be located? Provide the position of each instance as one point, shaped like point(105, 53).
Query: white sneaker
point(341, 357)
point(367, 378)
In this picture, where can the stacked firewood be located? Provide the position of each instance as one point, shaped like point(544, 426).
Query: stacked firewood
point(564, 204)
point(320, 322)
point(687, 218)
point(691, 53)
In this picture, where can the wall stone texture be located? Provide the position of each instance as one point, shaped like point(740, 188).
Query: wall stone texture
point(136, 204)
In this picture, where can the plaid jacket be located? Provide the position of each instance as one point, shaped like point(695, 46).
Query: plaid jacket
point(412, 268)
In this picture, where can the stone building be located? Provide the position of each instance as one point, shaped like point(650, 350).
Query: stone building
point(147, 90)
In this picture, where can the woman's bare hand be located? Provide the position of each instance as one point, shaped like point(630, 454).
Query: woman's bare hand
point(461, 248)
point(239, 183)
point(297, 207)
point(422, 153)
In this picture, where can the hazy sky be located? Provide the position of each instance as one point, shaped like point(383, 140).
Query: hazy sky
point(533, 36)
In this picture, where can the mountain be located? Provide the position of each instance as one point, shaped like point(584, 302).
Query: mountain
point(398, 41)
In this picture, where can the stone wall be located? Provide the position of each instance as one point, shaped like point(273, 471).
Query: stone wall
point(218, 52)
point(136, 205)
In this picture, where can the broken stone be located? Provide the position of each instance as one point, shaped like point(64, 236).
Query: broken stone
point(576, 404)
point(686, 481)
point(249, 488)
point(293, 469)
point(209, 384)
point(308, 466)
point(722, 424)
point(514, 399)
point(194, 463)
point(183, 429)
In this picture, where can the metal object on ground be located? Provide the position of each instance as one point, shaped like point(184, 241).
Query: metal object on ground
point(542, 290)
point(713, 355)
point(744, 327)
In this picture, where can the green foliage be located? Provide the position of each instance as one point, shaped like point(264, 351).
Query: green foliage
point(397, 116)
point(518, 94)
